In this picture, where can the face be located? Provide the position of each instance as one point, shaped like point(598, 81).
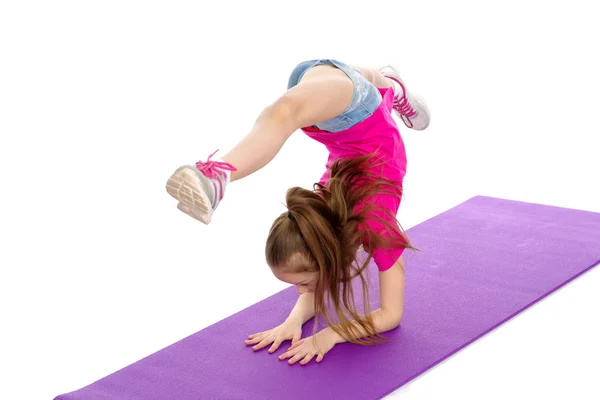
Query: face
point(305, 282)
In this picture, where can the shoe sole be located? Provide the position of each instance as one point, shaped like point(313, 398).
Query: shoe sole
point(183, 186)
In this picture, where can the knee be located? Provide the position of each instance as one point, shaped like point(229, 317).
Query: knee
point(281, 113)
point(283, 109)
point(368, 73)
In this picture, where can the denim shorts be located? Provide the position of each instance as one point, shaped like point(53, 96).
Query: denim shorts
point(365, 100)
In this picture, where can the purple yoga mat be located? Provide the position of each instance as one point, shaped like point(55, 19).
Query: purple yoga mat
point(480, 264)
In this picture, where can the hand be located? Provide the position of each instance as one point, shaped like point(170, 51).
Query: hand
point(289, 330)
point(306, 349)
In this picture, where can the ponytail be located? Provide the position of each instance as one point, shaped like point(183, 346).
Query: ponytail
point(326, 227)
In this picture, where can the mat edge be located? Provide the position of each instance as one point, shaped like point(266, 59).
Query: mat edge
point(495, 327)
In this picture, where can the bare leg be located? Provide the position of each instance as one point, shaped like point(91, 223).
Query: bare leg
point(375, 77)
point(270, 131)
point(323, 93)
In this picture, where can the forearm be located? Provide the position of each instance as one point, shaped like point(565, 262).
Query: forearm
point(382, 319)
point(304, 308)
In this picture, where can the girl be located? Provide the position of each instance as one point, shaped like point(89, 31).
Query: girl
point(314, 244)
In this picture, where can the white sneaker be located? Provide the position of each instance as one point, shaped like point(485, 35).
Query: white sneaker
point(411, 109)
point(200, 189)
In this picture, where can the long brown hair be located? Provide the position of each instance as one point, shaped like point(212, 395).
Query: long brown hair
point(325, 228)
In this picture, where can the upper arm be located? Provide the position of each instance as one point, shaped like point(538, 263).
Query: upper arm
point(391, 289)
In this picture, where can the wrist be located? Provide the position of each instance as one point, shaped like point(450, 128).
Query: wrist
point(332, 335)
point(294, 319)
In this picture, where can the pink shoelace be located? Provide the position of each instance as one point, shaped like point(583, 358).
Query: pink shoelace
point(402, 105)
point(215, 170)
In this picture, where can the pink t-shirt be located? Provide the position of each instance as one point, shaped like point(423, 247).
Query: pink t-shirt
point(378, 133)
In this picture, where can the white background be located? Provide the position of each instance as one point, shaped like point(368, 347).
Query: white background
point(101, 101)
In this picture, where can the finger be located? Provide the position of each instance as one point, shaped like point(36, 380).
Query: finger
point(275, 345)
point(256, 339)
point(320, 357)
point(288, 354)
point(307, 359)
point(295, 345)
point(260, 335)
point(255, 335)
point(262, 344)
point(253, 341)
point(299, 356)
point(296, 337)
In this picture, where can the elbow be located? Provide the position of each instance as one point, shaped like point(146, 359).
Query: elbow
point(392, 319)
point(395, 320)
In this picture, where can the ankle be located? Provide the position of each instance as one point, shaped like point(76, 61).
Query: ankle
point(398, 92)
point(216, 169)
point(225, 173)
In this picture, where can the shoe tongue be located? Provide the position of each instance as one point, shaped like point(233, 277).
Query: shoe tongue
point(398, 92)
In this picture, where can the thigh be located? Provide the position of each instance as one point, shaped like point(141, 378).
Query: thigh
point(317, 94)
point(351, 108)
